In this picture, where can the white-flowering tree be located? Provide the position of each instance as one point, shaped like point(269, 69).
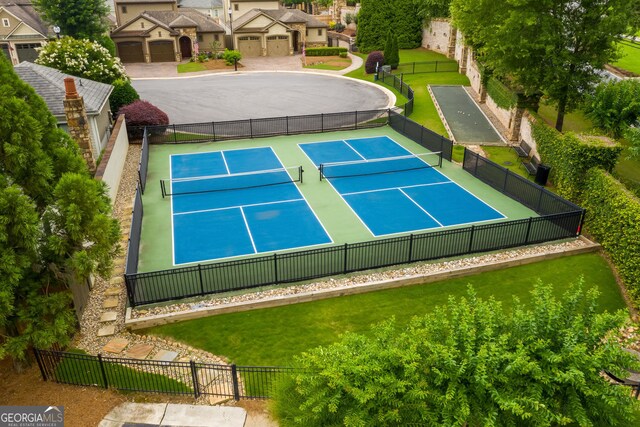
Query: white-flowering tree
point(82, 58)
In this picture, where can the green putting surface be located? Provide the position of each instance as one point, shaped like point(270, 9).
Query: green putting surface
point(333, 212)
point(467, 122)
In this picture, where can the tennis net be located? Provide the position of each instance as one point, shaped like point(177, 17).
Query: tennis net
point(236, 181)
point(380, 166)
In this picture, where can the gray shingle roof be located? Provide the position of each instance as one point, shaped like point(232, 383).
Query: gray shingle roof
point(286, 16)
point(49, 84)
point(143, 1)
point(204, 24)
point(201, 4)
point(23, 10)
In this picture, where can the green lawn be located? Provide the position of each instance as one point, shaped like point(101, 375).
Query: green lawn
point(575, 121)
point(630, 59)
point(507, 158)
point(190, 67)
point(424, 111)
point(273, 336)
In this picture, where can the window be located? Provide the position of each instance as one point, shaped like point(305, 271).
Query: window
point(320, 32)
point(5, 22)
point(216, 37)
point(306, 32)
point(142, 25)
point(124, 9)
point(199, 37)
point(236, 7)
point(159, 33)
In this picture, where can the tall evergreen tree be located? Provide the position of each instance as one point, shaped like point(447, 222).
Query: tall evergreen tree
point(55, 222)
point(377, 17)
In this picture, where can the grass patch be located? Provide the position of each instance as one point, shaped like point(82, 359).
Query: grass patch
point(326, 67)
point(575, 121)
point(190, 67)
point(627, 169)
point(507, 158)
point(85, 370)
point(630, 59)
point(273, 336)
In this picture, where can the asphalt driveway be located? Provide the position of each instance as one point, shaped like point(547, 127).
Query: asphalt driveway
point(237, 96)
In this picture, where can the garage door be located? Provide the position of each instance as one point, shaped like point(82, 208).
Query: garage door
point(249, 46)
point(27, 51)
point(277, 45)
point(130, 52)
point(162, 51)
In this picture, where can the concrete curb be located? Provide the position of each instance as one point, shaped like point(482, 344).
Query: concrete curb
point(156, 320)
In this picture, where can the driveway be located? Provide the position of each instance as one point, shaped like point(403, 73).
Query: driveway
point(237, 96)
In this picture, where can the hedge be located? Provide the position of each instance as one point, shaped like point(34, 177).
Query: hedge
point(325, 51)
point(571, 156)
point(613, 218)
point(501, 94)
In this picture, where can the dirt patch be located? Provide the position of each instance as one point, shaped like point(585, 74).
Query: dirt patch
point(219, 64)
point(83, 406)
point(620, 71)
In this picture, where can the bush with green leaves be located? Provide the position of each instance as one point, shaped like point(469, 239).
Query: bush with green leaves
point(325, 51)
point(614, 106)
point(123, 94)
point(470, 363)
point(571, 156)
point(613, 218)
point(231, 56)
point(374, 61)
point(82, 58)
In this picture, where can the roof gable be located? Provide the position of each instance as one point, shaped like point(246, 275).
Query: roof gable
point(49, 84)
point(24, 11)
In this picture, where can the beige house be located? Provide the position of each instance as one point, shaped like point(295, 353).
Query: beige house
point(270, 31)
point(162, 35)
point(21, 31)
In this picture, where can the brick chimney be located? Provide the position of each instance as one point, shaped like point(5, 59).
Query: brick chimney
point(77, 122)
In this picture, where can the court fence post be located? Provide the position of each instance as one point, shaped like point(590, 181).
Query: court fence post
point(410, 247)
point(506, 179)
point(526, 238)
point(356, 121)
point(287, 121)
point(201, 281)
point(346, 251)
point(275, 268)
point(213, 130)
point(234, 378)
point(471, 239)
point(321, 122)
point(251, 128)
point(175, 135)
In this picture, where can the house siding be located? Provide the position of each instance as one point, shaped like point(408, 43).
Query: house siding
point(134, 10)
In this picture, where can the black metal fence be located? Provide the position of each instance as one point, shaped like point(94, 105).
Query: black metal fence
point(144, 161)
point(259, 128)
point(398, 84)
point(427, 67)
point(421, 135)
point(133, 247)
point(153, 376)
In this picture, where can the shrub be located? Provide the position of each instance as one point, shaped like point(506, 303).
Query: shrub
point(343, 54)
point(325, 51)
point(571, 156)
point(142, 113)
point(123, 94)
point(339, 27)
point(82, 58)
point(107, 43)
point(391, 53)
point(231, 56)
point(375, 57)
point(614, 106)
point(202, 57)
point(348, 18)
point(613, 218)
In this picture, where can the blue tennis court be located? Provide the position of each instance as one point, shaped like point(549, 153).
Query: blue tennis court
point(392, 190)
point(237, 202)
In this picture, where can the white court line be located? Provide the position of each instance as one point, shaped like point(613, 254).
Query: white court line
point(354, 150)
point(396, 188)
point(173, 230)
point(246, 224)
point(421, 208)
point(238, 206)
point(305, 199)
point(226, 165)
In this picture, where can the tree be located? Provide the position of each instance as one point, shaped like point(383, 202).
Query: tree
point(614, 106)
point(470, 363)
point(82, 19)
point(377, 17)
point(82, 58)
point(391, 52)
point(55, 223)
point(551, 47)
point(433, 8)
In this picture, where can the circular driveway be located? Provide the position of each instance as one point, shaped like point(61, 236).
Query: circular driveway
point(224, 97)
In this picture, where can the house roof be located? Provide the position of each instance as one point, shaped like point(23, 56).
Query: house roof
point(24, 11)
point(201, 4)
point(143, 1)
point(285, 16)
point(49, 84)
point(185, 17)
